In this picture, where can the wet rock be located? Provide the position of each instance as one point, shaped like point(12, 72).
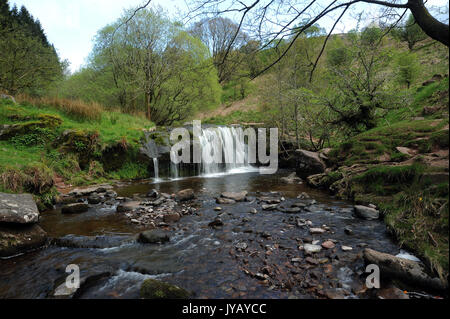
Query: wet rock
point(111, 194)
point(313, 209)
point(155, 289)
point(292, 210)
point(74, 208)
point(346, 248)
point(334, 293)
point(217, 209)
point(98, 242)
point(94, 199)
point(391, 293)
point(317, 230)
point(291, 179)
point(328, 244)
point(216, 223)
point(185, 194)
point(241, 246)
point(153, 194)
point(225, 201)
point(236, 196)
point(310, 249)
point(19, 238)
point(308, 163)
point(367, 213)
point(153, 236)
point(127, 206)
point(348, 231)
point(269, 207)
point(62, 291)
point(89, 190)
point(18, 208)
point(251, 210)
point(299, 205)
point(403, 269)
point(171, 218)
point(311, 261)
point(265, 235)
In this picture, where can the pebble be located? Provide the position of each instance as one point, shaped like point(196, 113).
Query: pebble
point(309, 248)
point(328, 244)
point(346, 248)
point(317, 230)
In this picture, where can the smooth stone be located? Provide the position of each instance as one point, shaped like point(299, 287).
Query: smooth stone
point(309, 248)
point(317, 230)
point(236, 196)
point(328, 244)
point(367, 213)
point(20, 238)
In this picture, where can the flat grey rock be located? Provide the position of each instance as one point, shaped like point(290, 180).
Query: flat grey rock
point(18, 208)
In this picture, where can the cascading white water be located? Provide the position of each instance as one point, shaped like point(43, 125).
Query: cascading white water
point(155, 167)
point(223, 150)
point(173, 167)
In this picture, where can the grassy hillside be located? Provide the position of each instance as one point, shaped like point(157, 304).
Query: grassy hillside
point(49, 140)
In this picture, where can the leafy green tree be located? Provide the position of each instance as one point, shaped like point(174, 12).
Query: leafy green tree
point(149, 64)
point(28, 63)
point(411, 33)
point(407, 68)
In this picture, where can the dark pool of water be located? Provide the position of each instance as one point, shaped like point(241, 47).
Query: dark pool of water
point(198, 258)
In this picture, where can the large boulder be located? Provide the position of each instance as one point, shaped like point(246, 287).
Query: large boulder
point(403, 269)
point(18, 208)
point(19, 238)
point(309, 163)
point(155, 289)
point(367, 213)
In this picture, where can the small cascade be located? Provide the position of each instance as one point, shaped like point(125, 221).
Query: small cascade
point(222, 149)
point(155, 167)
point(174, 171)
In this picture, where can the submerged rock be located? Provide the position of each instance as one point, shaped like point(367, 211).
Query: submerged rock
point(153, 236)
point(20, 238)
point(155, 289)
point(236, 196)
point(224, 201)
point(291, 179)
point(403, 269)
point(74, 208)
point(185, 194)
point(18, 208)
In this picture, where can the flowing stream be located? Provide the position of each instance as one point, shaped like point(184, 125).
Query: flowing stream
point(198, 258)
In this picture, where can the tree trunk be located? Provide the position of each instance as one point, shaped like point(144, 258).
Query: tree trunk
point(432, 27)
point(147, 105)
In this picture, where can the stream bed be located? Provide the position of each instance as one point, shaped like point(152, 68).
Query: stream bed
point(253, 255)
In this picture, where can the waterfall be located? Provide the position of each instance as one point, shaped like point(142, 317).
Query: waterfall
point(173, 167)
point(155, 167)
point(223, 150)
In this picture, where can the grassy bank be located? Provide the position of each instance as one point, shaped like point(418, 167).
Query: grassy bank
point(402, 167)
point(44, 141)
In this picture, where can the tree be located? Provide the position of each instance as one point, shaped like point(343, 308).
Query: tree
point(221, 36)
point(358, 82)
point(28, 63)
point(407, 68)
point(411, 33)
point(151, 64)
point(265, 16)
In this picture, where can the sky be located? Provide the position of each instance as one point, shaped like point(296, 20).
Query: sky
point(72, 24)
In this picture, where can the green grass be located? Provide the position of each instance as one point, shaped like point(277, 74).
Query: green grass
point(112, 126)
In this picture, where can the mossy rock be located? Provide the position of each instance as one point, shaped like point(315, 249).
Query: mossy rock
point(155, 289)
point(113, 157)
point(9, 131)
point(86, 144)
point(50, 120)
